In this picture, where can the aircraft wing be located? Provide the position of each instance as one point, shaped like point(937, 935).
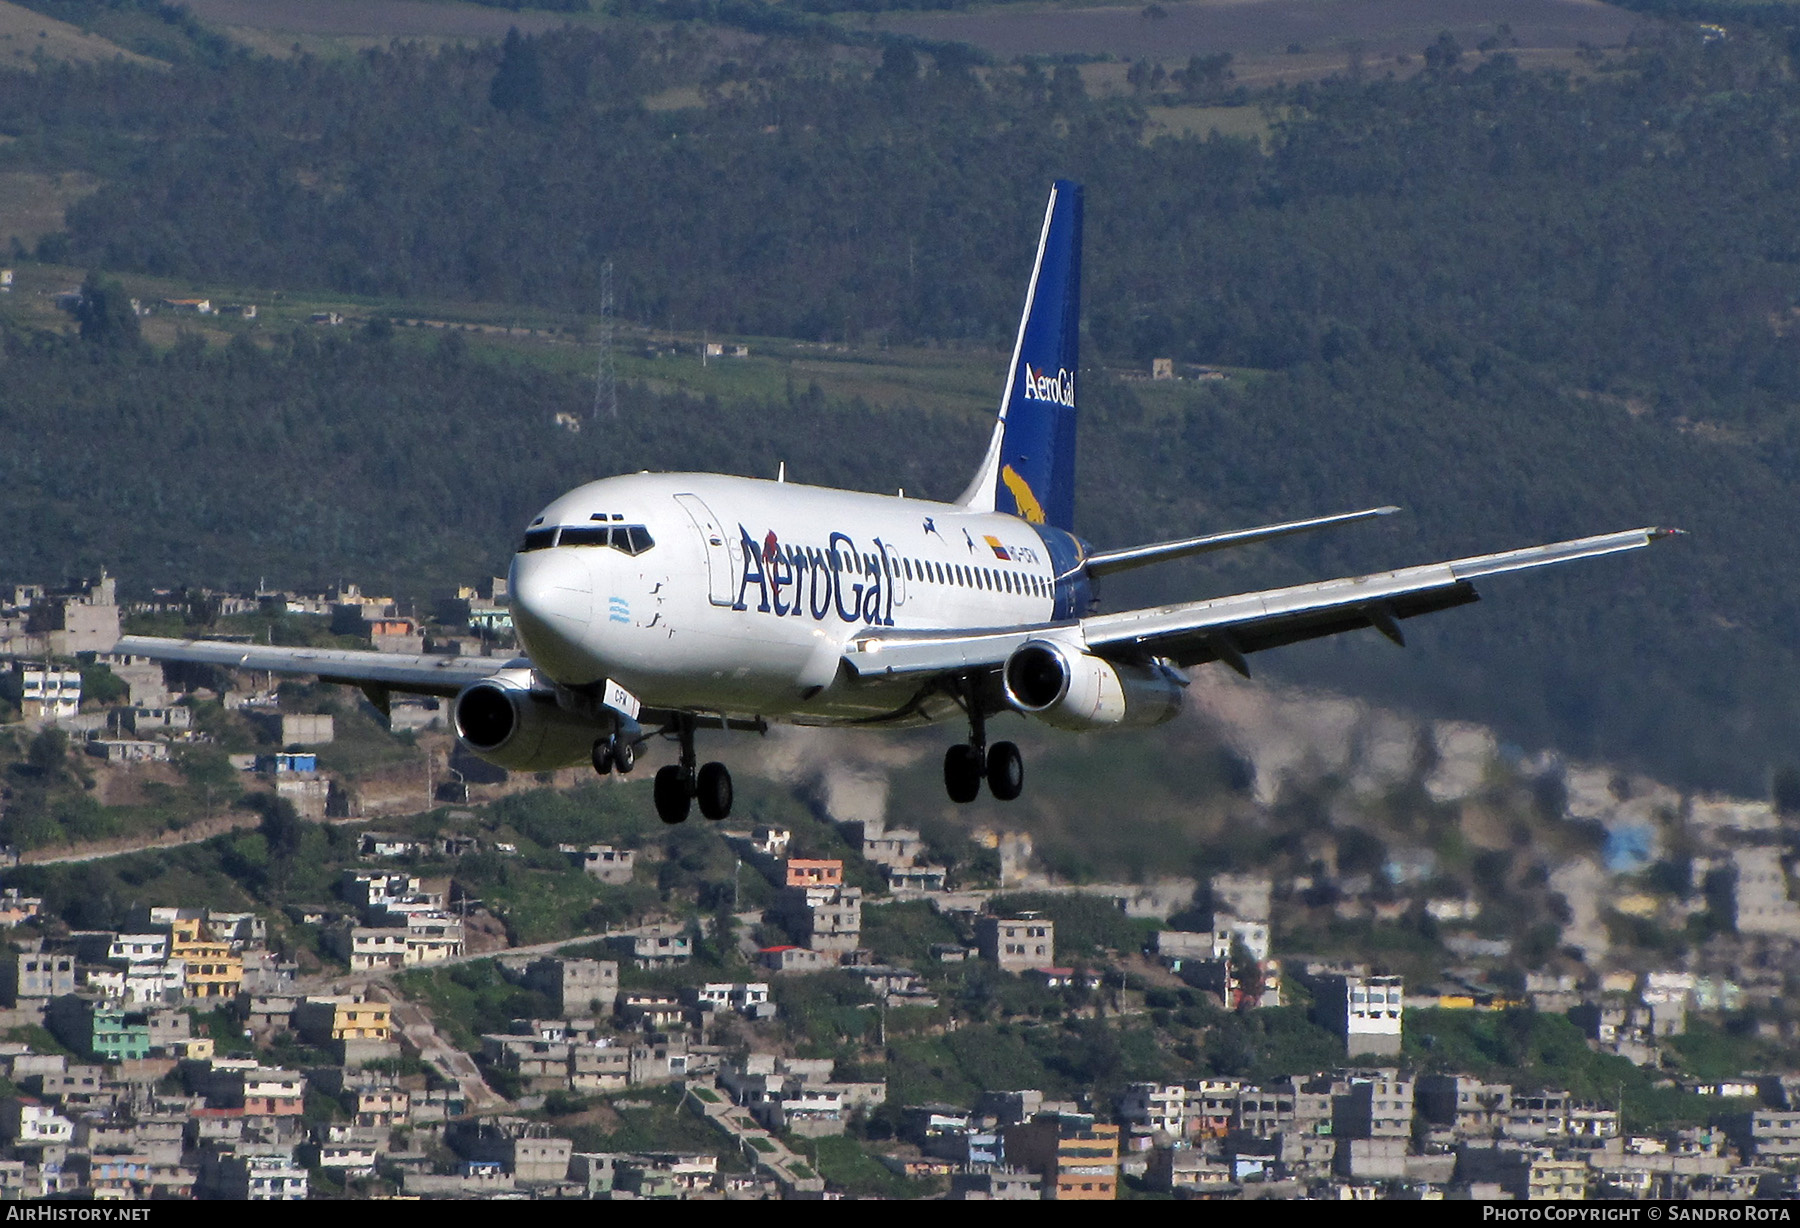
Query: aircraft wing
point(1226, 628)
point(375, 672)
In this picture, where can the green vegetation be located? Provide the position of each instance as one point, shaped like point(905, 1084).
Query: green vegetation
point(849, 1166)
point(470, 999)
point(1536, 1051)
point(648, 1121)
point(1709, 1051)
point(1086, 926)
point(1518, 305)
point(905, 932)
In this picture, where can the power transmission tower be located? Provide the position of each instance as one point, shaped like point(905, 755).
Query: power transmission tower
point(606, 375)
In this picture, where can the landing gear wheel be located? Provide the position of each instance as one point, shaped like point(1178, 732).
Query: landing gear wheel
point(614, 752)
point(713, 789)
point(962, 773)
point(1005, 771)
point(673, 794)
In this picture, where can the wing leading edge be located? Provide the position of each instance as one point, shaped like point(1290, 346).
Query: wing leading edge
point(1227, 628)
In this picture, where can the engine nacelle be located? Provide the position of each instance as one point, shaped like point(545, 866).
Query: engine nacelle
point(1071, 689)
point(511, 726)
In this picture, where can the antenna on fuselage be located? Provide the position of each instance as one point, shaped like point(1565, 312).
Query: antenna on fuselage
point(606, 374)
point(781, 471)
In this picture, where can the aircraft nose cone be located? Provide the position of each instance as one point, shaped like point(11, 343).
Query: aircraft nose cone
point(552, 595)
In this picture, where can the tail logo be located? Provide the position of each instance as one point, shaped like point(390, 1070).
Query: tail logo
point(1028, 505)
point(1059, 389)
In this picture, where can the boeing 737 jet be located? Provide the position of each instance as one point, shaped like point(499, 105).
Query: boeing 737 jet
point(670, 603)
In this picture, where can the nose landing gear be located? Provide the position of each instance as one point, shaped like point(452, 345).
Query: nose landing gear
point(679, 785)
point(614, 753)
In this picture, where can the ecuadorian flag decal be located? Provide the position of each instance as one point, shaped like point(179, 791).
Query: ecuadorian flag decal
point(1037, 451)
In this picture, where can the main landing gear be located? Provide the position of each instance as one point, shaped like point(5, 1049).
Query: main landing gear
point(679, 785)
point(966, 765)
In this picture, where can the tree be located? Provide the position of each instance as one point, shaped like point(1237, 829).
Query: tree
point(519, 82)
point(1248, 975)
point(283, 832)
point(49, 754)
point(105, 313)
point(1443, 54)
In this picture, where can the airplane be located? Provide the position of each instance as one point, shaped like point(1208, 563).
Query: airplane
point(669, 603)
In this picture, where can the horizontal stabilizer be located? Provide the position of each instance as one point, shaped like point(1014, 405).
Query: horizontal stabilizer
point(1105, 562)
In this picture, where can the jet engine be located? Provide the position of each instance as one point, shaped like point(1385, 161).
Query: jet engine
point(1071, 689)
point(508, 724)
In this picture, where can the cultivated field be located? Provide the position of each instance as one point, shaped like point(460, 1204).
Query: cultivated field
point(24, 35)
point(32, 204)
point(1281, 39)
point(276, 27)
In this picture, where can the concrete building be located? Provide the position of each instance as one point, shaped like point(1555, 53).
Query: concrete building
point(323, 1020)
point(247, 1172)
point(1077, 1157)
point(662, 949)
point(1364, 1010)
point(887, 847)
point(1156, 1108)
point(1291, 1107)
point(84, 618)
point(1470, 1108)
point(1378, 1104)
point(1017, 944)
point(1769, 1135)
point(38, 976)
point(46, 695)
point(602, 861)
point(525, 1150)
point(578, 986)
point(1761, 905)
point(804, 872)
point(823, 918)
point(1243, 896)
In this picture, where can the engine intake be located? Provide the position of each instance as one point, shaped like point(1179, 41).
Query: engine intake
point(511, 726)
point(1071, 689)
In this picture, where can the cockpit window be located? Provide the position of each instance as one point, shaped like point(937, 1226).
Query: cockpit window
point(626, 538)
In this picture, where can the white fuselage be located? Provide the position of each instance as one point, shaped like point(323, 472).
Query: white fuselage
point(751, 590)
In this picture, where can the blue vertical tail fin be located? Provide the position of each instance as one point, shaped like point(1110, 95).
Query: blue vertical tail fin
point(1029, 469)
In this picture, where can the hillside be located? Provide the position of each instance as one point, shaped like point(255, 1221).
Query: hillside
point(1521, 304)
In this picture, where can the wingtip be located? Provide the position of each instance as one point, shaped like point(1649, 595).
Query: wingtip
point(1389, 510)
point(1657, 533)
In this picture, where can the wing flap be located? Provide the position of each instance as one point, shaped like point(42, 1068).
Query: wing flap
point(420, 674)
point(885, 653)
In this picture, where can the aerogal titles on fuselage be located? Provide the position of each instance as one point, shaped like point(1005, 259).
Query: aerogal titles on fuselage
point(820, 580)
